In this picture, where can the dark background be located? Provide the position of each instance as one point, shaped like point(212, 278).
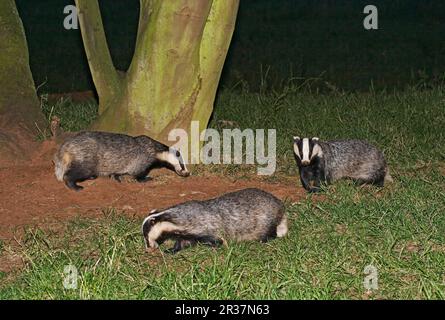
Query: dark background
point(322, 40)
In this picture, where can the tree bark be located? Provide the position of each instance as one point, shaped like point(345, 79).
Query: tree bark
point(20, 115)
point(105, 76)
point(173, 77)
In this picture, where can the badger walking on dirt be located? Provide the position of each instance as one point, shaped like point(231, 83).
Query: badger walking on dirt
point(245, 215)
point(90, 154)
point(324, 162)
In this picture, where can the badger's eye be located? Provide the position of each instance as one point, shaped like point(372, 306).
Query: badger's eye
point(178, 154)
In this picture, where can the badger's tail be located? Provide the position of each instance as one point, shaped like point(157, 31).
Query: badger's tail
point(388, 177)
point(282, 226)
point(61, 162)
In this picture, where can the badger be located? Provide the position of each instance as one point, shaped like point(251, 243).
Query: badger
point(245, 215)
point(90, 154)
point(324, 162)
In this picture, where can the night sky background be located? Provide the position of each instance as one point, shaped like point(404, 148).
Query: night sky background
point(317, 39)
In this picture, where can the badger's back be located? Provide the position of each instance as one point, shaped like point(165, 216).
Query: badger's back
point(119, 154)
point(249, 214)
point(102, 152)
point(355, 159)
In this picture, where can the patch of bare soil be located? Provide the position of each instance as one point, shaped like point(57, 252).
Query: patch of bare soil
point(31, 195)
point(15, 142)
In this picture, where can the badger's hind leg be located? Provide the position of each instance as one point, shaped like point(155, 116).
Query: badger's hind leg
point(377, 179)
point(379, 182)
point(72, 185)
point(77, 174)
point(282, 227)
point(275, 230)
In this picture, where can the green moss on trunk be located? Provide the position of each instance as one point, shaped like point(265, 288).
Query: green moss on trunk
point(18, 90)
point(179, 54)
point(20, 114)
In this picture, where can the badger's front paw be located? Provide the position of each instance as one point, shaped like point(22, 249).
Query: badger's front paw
point(314, 190)
point(143, 179)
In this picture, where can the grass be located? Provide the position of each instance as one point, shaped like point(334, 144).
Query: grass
point(74, 116)
point(322, 47)
point(399, 229)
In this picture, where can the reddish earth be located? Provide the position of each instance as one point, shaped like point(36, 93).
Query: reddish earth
point(31, 195)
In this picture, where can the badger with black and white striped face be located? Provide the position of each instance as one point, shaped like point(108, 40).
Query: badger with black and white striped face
point(90, 154)
point(245, 215)
point(324, 162)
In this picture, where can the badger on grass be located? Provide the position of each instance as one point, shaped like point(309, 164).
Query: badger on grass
point(245, 215)
point(90, 154)
point(324, 162)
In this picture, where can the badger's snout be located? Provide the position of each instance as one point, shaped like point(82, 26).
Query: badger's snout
point(183, 173)
point(305, 162)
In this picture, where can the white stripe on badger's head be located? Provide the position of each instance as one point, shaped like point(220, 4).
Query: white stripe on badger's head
point(296, 150)
point(175, 159)
point(306, 149)
point(153, 227)
point(147, 225)
point(316, 149)
point(305, 159)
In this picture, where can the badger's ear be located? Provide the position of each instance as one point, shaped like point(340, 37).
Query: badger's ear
point(315, 139)
point(153, 211)
point(296, 138)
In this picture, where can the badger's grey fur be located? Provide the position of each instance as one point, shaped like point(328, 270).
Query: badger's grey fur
point(90, 154)
point(245, 215)
point(320, 162)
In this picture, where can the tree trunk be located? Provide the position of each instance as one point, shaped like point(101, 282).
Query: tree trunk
point(20, 115)
point(179, 54)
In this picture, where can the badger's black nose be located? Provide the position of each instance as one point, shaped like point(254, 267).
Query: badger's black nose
point(183, 173)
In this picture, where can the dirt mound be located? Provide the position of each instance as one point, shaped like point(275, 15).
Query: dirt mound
point(15, 143)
